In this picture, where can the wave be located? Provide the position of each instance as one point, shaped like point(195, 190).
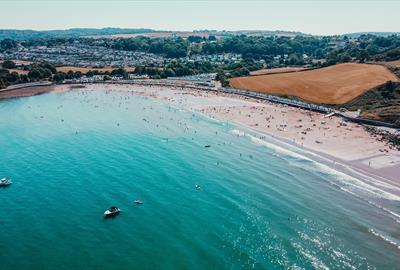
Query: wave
point(393, 215)
point(277, 148)
point(386, 239)
point(316, 166)
point(237, 132)
point(313, 260)
point(354, 182)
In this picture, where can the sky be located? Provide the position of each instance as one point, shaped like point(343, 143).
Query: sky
point(321, 17)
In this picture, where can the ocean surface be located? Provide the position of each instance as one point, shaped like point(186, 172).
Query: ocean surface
point(261, 206)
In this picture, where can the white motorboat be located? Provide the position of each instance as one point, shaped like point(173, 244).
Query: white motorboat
point(138, 202)
point(5, 182)
point(112, 211)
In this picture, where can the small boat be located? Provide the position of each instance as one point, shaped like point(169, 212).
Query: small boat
point(138, 202)
point(5, 182)
point(112, 211)
point(207, 146)
point(197, 187)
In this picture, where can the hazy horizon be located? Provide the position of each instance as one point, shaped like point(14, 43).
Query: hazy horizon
point(188, 30)
point(310, 17)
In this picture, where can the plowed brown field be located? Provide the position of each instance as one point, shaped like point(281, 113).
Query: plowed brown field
point(331, 85)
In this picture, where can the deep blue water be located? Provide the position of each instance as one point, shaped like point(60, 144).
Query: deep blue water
point(72, 155)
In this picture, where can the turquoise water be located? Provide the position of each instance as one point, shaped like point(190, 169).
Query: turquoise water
point(72, 155)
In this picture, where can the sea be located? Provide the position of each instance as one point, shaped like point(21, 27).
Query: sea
point(260, 205)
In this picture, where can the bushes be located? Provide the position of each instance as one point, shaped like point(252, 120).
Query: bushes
point(36, 72)
point(8, 64)
point(177, 69)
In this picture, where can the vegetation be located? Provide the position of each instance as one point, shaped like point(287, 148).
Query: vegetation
point(381, 103)
point(7, 44)
point(176, 69)
point(69, 33)
point(39, 71)
point(257, 51)
point(336, 49)
point(170, 47)
point(8, 64)
point(298, 50)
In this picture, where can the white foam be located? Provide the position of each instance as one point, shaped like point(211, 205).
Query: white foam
point(343, 178)
point(277, 148)
point(237, 132)
point(386, 239)
point(356, 183)
point(315, 262)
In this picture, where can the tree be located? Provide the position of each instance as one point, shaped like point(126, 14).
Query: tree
point(397, 123)
point(59, 77)
point(8, 64)
point(13, 77)
point(35, 74)
point(2, 83)
point(363, 55)
point(23, 78)
point(212, 38)
point(393, 54)
point(344, 57)
point(169, 72)
point(48, 66)
point(195, 39)
point(372, 49)
point(77, 74)
point(7, 44)
point(119, 72)
point(69, 75)
point(222, 78)
point(90, 73)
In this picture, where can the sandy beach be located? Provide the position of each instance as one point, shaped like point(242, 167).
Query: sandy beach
point(341, 142)
point(332, 138)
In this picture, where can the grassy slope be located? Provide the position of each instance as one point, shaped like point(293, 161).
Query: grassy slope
point(380, 103)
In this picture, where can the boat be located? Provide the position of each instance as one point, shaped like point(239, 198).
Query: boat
point(5, 182)
point(197, 187)
point(138, 202)
point(112, 211)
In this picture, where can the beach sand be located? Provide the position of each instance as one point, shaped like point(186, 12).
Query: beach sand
point(332, 138)
point(341, 142)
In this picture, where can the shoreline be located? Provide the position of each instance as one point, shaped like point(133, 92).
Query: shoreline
point(249, 113)
point(377, 182)
point(26, 91)
point(350, 167)
point(387, 158)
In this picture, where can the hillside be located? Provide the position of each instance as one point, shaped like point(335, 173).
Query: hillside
point(68, 33)
point(331, 85)
point(380, 103)
point(395, 63)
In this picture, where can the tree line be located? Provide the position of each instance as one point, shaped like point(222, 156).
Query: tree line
point(333, 48)
point(35, 72)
